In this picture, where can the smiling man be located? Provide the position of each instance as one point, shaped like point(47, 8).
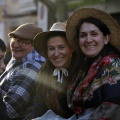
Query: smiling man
point(18, 81)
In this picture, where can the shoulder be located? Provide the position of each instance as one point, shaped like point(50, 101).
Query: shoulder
point(32, 64)
point(113, 59)
point(110, 59)
point(28, 68)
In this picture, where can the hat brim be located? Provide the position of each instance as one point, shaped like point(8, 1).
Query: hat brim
point(40, 40)
point(107, 19)
point(19, 35)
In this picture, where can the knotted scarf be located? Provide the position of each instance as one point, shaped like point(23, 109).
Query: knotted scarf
point(56, 72)
point(81, 88)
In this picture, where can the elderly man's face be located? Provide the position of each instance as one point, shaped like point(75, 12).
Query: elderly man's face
point(18, 50)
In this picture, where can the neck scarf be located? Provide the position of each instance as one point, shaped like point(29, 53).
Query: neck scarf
point(57, 73)
point(78, 91)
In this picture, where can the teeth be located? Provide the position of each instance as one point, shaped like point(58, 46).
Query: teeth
point(58, 59)
point(89, 46)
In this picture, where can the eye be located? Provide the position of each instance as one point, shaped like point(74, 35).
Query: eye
point(61, 47)
point(82, 35)
point(94, 33)
point(22, 41)
point(51, 48)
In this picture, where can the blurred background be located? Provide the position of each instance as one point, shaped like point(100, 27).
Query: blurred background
point(45, 12)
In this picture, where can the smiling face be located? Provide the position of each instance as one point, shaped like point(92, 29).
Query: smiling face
point(91, 39)
point(19, 51)
point(59, 52)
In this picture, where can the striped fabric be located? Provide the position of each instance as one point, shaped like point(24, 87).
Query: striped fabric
point(18, 83)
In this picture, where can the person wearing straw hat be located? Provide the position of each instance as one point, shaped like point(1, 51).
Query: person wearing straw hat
point(94, 93)
point(55, 73)
point(18, 83)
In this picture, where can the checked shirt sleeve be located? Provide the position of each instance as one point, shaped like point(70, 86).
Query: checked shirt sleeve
point(20, 92)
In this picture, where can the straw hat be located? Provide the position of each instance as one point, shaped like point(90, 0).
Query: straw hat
point(26, 31)
point(107, 19)
point(41, 38)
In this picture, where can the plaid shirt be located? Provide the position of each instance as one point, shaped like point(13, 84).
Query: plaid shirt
point(18, 83)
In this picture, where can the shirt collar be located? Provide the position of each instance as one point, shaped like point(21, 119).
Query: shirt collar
point(33, 55)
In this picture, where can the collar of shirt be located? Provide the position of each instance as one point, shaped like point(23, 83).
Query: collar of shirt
point(33, 55)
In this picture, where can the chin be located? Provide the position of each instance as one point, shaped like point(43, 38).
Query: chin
point(58, 66)
point(91, 56)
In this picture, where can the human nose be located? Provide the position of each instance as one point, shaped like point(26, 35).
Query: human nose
point(56, 52)
point(88, 38)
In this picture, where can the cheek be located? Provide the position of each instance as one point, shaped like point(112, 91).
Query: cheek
point(101, 44)
point(49, 55)
point(80, 42)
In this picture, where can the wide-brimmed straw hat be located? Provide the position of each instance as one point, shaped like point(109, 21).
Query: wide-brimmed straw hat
point(82, 13)
point(41, 38)
point(26, 31)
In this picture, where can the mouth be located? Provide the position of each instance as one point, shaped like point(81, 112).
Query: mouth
point(58, 59)
point(89, 46)
point(16, 50)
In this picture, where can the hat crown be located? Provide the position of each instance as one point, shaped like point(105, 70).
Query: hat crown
point(59, 26)
point(26, 31)
point(40, 40)
point(104, 17)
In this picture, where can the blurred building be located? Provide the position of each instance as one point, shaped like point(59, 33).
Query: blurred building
point(110, 6)
point(16, 12)
point(2, 31)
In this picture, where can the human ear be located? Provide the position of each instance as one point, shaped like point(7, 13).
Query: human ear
point(106, 39)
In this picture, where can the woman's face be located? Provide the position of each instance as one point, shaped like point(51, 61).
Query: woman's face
point(91, 39)
point(59, 52)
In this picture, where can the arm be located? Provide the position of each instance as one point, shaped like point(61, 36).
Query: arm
point(3, 112)
point(20, 92)
point(39, 106)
